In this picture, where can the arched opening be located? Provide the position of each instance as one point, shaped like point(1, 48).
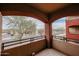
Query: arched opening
point(59, 29)
point(22, 29)
point(66, 28)
point(65, 34)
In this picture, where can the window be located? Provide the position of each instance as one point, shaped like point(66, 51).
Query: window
point(74, 29)
point(73, 24)
point(19, 29)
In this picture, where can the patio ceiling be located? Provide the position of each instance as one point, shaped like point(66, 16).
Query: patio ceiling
point(48, 12)
point(40, 7)
point(48, 7)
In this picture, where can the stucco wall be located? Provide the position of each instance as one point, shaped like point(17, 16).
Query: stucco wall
point(72, 23)
point(69, 48)
point(26, 49)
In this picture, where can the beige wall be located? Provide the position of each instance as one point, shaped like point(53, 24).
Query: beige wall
point(68, 48)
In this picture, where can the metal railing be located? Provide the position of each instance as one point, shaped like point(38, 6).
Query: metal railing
point(65, 39)
point(6, 44)
point(60, 37)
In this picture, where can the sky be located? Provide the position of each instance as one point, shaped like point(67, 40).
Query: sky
point(39, 23)
point(4, 22)
point(57, 24)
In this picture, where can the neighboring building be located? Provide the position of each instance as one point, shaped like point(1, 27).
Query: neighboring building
point(72, 28)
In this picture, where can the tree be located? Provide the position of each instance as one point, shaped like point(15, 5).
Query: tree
point(40, 31)
point(21, 25)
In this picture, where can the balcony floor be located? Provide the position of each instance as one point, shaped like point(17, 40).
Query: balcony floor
point(50, 52)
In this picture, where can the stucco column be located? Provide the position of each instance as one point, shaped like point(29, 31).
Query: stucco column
point(0, 31)
point(48, 33)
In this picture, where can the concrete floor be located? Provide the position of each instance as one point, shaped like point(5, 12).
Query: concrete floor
point(50, 52)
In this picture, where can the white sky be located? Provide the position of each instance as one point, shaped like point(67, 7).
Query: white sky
point(59, 23)
point(39, 23)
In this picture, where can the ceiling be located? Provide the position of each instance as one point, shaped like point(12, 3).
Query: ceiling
point(48, 7)
point(43, 7)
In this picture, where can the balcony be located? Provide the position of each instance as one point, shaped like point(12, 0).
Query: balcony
point(37, 44)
